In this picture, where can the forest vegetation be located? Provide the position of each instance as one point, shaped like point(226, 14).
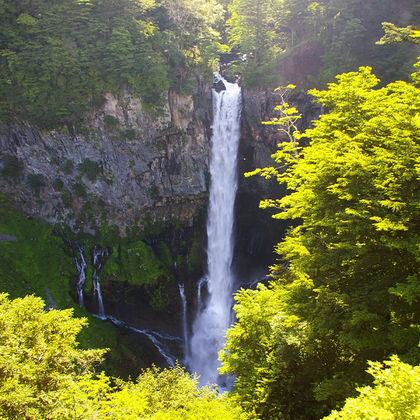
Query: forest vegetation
point(301, 345)
point(350, 291)
point(87, 48)
point(336, 332)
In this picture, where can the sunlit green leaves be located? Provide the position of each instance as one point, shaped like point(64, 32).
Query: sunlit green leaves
point(350, 292)
point(395, 394)
point(44, 376)
point(38, 357)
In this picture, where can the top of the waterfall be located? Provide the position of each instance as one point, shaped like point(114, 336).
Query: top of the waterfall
point(220, 83)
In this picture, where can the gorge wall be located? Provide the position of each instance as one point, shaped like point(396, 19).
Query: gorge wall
point(125, 162)
point(135, 182)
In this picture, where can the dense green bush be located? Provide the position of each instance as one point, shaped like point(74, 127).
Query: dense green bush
point(36, 182)
point(89, 168)
point(46, 376)
point(11, 166)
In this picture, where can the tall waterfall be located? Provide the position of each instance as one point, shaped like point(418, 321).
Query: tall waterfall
point(215, 315)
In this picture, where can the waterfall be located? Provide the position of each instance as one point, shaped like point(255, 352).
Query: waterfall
point(200, 285)
point(154, 336)
point(184, 320)
point(81, 267)
point(99, 258)
point(215, 316)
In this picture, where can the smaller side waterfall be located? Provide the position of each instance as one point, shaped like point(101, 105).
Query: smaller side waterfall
point(155, 337)
point(184, 320)
point(82, 269)
point(99, 258)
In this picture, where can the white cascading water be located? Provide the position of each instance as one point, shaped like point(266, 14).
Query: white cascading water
point(99, 258)
point(184, 320)
point(82, 269)
point(214, 318)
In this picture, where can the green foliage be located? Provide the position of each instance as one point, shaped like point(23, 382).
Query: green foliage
point(351, 292)
point(36, 182)
point(192, 38)
point(174, 394)
point(67, 199)
point(138, 264)
point(395, 34)
point(110, 121)
point(90, 169)
point(79, 189)
point(11, 166)
point(194, 256)
point(129, 134)
point(39, 263)
point(267, 351)
point(263, 33)
point(168, 394)
point(68, 167)
point(38, 358)
point(58, 184)
point(84, 49)
point(254, 32)
point(395, 394)
point(36, 262)
point(44, 375)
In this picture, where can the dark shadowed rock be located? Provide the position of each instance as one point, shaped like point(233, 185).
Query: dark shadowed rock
point(218, 85)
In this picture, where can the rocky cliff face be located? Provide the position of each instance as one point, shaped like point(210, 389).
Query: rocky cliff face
point(146, 170)
point(127, 164)
point(124, 164)
point(127, 170)
point(256, 231)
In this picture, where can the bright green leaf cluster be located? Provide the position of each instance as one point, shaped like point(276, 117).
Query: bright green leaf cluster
point(38, 358)
point(395, 394)
point(351, 289)
point(43, 375)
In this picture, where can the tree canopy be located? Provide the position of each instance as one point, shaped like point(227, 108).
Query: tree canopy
point(351, 290)
point(86, 48)
point(343, 32)
point(38, 358)
point(43, 375)
point(395, 394)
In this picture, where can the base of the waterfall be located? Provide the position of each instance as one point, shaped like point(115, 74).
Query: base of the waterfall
point(225, 383)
